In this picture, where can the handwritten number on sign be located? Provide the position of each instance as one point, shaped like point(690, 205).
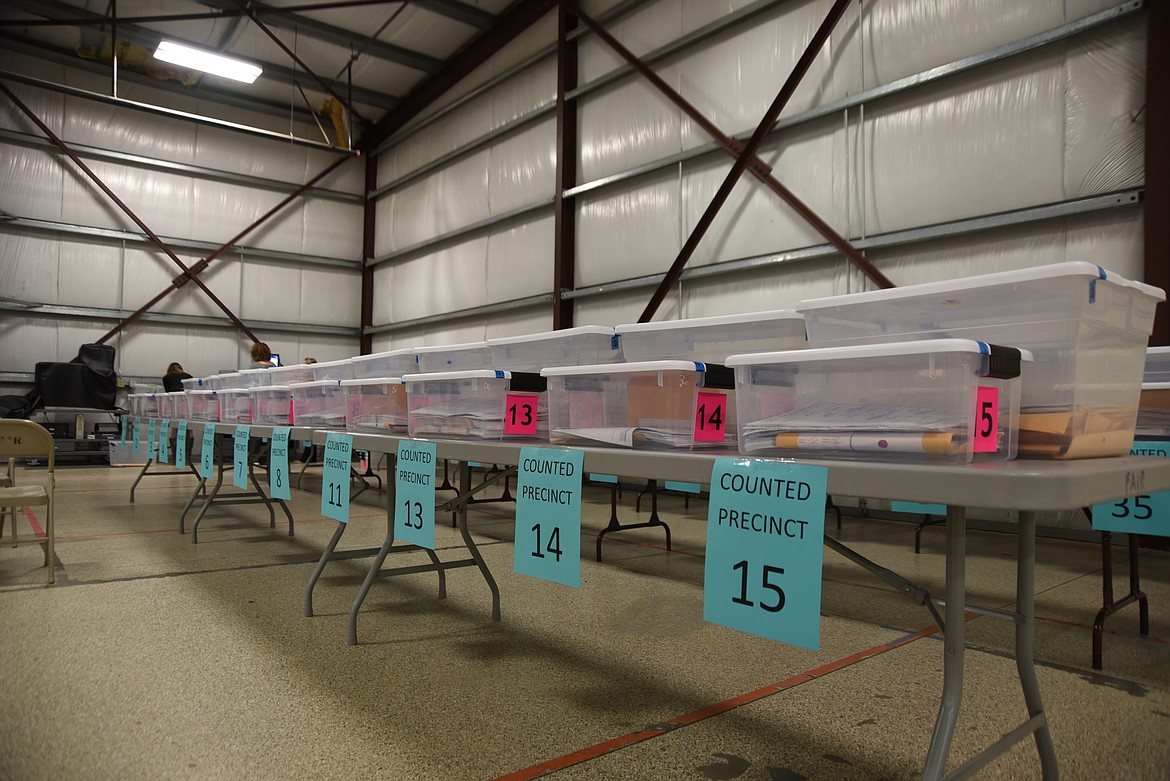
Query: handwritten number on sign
point(414, 514)
point(766, 582)
point(1141, 512)
point(335, 501)
point(554, 543)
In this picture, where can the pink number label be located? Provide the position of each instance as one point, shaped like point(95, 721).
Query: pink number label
point(710, 417)
point(520, 414)
point(985, 436)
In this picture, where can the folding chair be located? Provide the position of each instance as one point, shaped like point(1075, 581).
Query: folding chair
point(23, 439)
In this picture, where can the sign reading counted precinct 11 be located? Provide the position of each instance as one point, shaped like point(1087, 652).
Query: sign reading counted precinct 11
point(765, 528)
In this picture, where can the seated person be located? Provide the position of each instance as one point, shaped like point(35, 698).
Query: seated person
point(173, 379)
point(261, 356)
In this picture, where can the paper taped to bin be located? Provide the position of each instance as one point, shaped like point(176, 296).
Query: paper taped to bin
point(1085, 432)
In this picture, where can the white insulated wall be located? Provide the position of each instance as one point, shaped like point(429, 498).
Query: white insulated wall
point(82, 270)
point(1046, 126)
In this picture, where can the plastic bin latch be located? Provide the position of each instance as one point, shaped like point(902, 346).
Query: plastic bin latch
point(1001, 363)
point(718, 376)
point(528, 381)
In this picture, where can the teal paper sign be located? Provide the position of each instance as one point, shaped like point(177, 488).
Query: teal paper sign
point(1141, 514)
point(125, 423)
point(548, 515)
point(181, 445)
point(335, 477)
point(164, 442)
point(240, 456)
point(917, 508)
point(686, 488)
point(414, 493)
point(137, 444)
point(765, 528)
point(151, 439)
point(207, 451)
point(278, 464)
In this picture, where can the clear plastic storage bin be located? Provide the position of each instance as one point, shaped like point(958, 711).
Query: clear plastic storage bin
point(318, 404)
point(652, 404)
point(377, 405)
point(392, 363)
point(712, 339)
point(271, 405)
point(586, 345)
point(230, 380)
point(333, 370)
point(203, 405)
point(254, 378)
point(454, 357)
point(193, 383)
point(178, 407)
point(1086, 328)
point(1157, 365)
point(936, 401)
point(287, 375)
point(235, 405)
point(477, 404)
point(148, 405)
point(164, 405)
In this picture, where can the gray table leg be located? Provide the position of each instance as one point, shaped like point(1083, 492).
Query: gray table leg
point(955, 636)
point(141, 474)
point(214, 492)
point(371, 576)
point(326, 555)
point(464, 487)
point(1025, 626)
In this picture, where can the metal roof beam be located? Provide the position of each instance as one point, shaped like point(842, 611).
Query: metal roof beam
point(460, 12)
point(329, 33)
point(149, 39)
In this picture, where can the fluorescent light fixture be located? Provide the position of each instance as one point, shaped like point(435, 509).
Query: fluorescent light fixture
point(208, 62)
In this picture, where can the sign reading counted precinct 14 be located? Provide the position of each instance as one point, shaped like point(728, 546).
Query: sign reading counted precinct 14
point(548, 515)
point(765, 528)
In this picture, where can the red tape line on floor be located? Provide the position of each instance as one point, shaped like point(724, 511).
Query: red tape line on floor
point(614, 744)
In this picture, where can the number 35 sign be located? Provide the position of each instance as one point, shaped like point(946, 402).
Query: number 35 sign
point(1142, 514)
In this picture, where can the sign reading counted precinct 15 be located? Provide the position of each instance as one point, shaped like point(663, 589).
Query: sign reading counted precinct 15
point(765, 528)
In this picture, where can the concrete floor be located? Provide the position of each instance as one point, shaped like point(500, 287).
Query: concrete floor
point(153, 658)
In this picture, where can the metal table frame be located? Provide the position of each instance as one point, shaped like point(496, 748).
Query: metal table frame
point(257, 496)
point(1026, 487)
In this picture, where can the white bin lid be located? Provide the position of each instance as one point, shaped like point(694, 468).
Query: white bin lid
point(452, 347)
point(706, 322)
point(372, 381)
point(624, 368)
point(314, 384)
point(853, 352)
point(469, 374)
point(205, 392)
point(963, 284)
point(258, 389)
point(583, 330)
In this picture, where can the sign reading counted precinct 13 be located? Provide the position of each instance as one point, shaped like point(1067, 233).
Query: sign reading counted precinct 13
point(765, 528)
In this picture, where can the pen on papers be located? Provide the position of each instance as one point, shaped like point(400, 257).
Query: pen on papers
point(932, 442)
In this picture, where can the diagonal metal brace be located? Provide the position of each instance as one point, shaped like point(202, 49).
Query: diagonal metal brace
point(452, 504)
point(917, 593)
